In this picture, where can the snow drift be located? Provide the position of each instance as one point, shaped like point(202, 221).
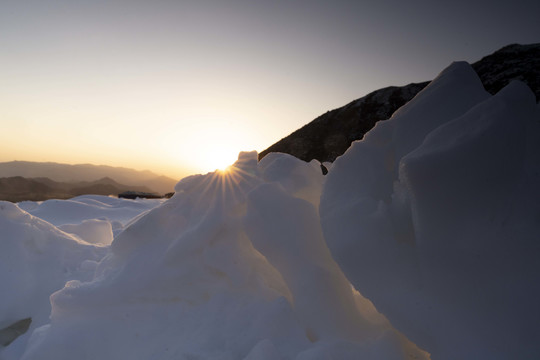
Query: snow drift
point(234, 266)
point(36, 259)
point(433, 217)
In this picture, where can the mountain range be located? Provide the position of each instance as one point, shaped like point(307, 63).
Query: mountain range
point(18, 188)
point(68, 178)
point(330, 134)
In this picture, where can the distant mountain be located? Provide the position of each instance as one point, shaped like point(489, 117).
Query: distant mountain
point(329, 135)
point(18, 188)
point(89, 173)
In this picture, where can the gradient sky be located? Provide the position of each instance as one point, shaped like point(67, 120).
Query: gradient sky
point(179, 87)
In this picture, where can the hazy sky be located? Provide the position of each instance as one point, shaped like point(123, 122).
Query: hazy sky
point(178, 87)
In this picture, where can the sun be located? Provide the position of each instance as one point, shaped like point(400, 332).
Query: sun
point(218, 157)
point(209, 145)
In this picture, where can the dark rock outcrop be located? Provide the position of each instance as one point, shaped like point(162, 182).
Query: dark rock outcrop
point(138, 194)
point(512, 62)
point(13, 331)
point(329, 135)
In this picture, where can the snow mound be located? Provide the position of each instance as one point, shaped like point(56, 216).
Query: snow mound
point(434, 217)
point(233, 266)
point(36, 259)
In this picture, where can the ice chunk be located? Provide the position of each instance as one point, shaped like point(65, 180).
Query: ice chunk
point(434, 217)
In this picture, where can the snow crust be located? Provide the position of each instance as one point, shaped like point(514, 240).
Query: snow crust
point(424, 235)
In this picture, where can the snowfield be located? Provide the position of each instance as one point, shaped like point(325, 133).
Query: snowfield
point(421, 242)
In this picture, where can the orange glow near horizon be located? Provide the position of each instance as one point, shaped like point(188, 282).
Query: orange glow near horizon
point(176, 150)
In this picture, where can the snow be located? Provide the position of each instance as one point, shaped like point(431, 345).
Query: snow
point(90, 217)
point(87, 207)
point(199, 276)
point(424, 235)
point(440, 229)
point(36, 259)
point(95, 231)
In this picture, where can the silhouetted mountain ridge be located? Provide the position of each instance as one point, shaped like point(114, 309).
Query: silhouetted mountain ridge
point(66, 173)
point(18, 188)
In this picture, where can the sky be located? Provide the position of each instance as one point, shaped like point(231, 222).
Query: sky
point(180, 87)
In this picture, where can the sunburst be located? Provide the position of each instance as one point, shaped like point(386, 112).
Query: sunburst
point(224, 188)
